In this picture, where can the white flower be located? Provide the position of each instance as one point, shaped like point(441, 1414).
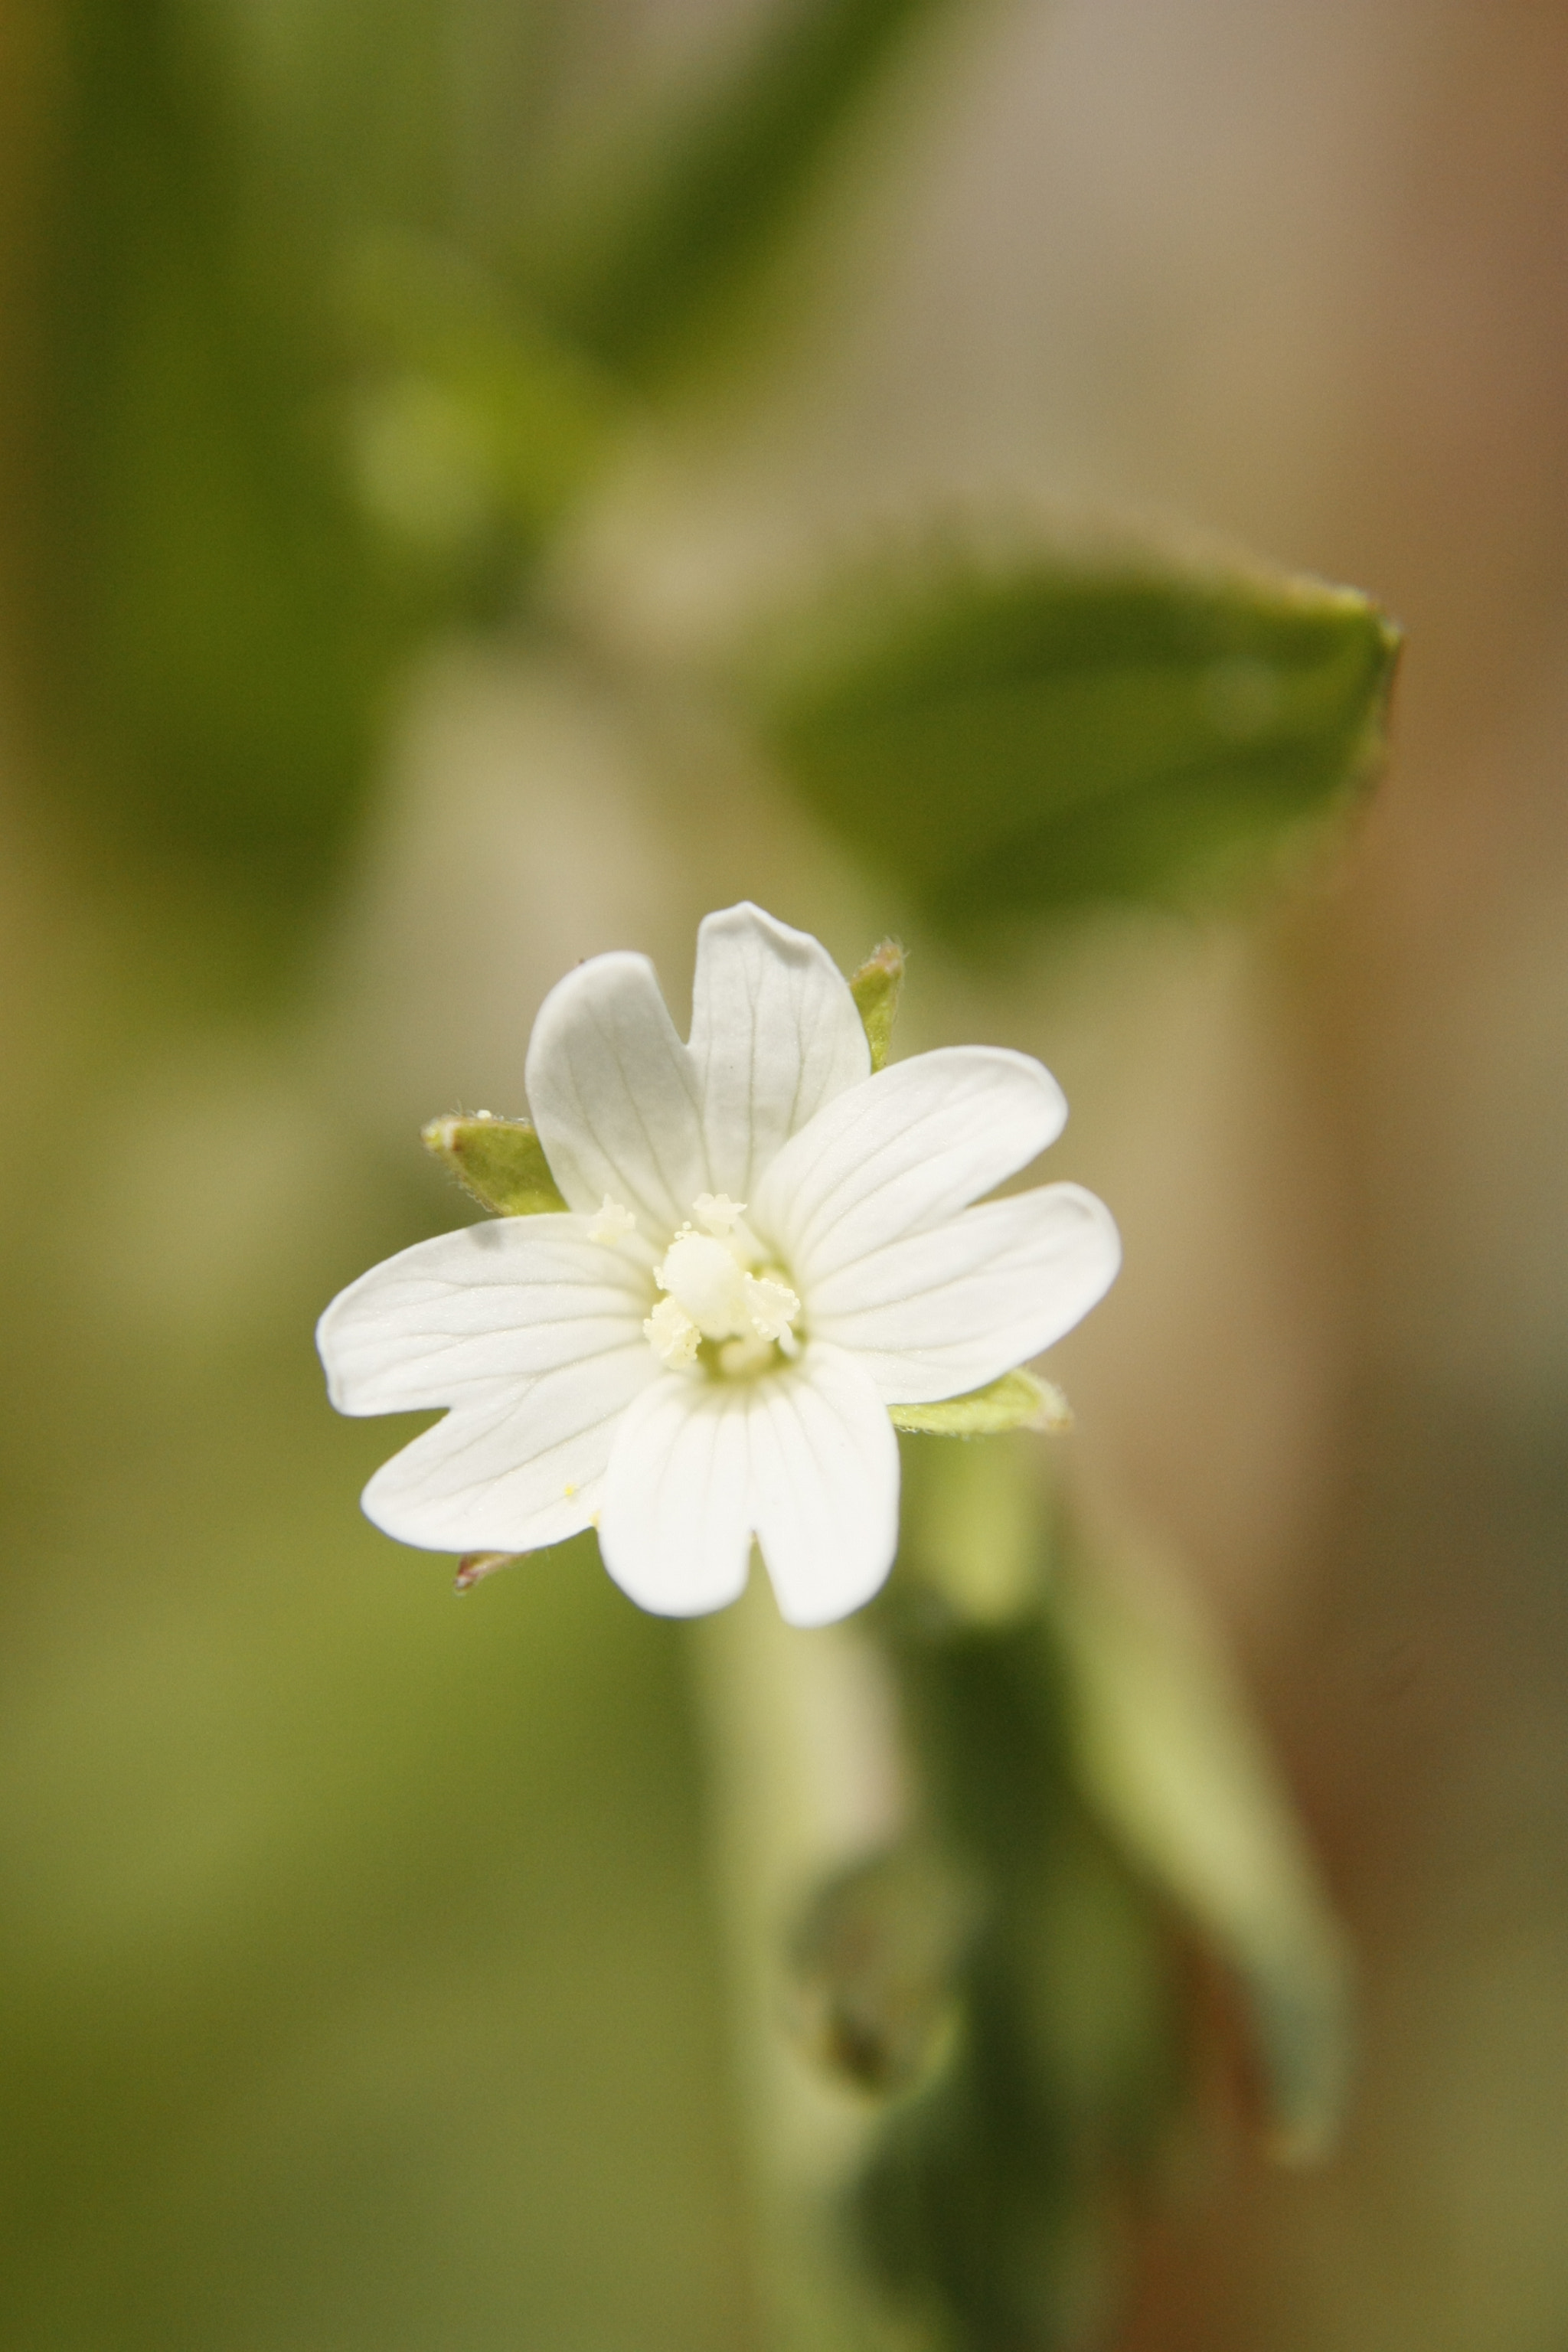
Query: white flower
point(767, 1247)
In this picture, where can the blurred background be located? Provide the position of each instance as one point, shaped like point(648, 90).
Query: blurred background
point(388, 428)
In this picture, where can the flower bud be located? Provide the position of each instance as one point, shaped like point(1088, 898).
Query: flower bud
point(875, 1961)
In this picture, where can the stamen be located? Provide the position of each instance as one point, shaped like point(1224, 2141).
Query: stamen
point(771, 1307)
point(612, 1223)
point(673, 1336)
point(717, 1213)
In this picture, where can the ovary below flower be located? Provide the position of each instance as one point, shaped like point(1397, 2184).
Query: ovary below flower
point(765, 1247)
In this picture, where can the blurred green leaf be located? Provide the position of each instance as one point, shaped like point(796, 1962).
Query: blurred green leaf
point(632, 262)
point(1167, 1751)
point(208, 641)
point(1016, 732)
point(207, 645)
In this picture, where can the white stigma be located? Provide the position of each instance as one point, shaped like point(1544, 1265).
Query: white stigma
point(612, 1223)
point(709, 1282)
point(711, 1294)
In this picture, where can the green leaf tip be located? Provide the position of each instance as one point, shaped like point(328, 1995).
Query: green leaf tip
point(1017, 1400)
point(877, 987)
point(500, 1160)
point(1017, 730)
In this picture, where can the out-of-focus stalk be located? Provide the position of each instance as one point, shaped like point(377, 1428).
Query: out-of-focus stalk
point(953, 1837)
point(807, 1779)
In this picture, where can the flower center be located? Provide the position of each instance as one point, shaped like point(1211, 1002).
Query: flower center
point(719, 1295)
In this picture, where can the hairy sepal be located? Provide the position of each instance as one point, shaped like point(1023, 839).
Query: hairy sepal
point(875, 988)
point(500, 1161)
point(1018, 1401)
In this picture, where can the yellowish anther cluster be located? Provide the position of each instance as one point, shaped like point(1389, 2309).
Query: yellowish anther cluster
point(712, 1292)
point(717, 1213)
point(673, 1336)
point(612, 1223)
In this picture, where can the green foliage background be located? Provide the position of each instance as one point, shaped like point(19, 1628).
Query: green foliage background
point(358, 1964)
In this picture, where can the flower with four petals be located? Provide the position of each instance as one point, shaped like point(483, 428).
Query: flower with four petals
point(765, 1247)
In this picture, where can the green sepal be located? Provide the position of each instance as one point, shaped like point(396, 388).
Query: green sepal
point(500, 1160)
point(475, 1565)
point(877, 988)
point(1017, 1400)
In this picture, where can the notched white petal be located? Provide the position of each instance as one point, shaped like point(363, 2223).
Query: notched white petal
point(937, 1314)
point(905, 1151)
point(774, 1035)
point(804, 1458)
point(673, 1525)
point(825, 1485)
point(503, 1301)
point(516, 1467)
point(615, 1094)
